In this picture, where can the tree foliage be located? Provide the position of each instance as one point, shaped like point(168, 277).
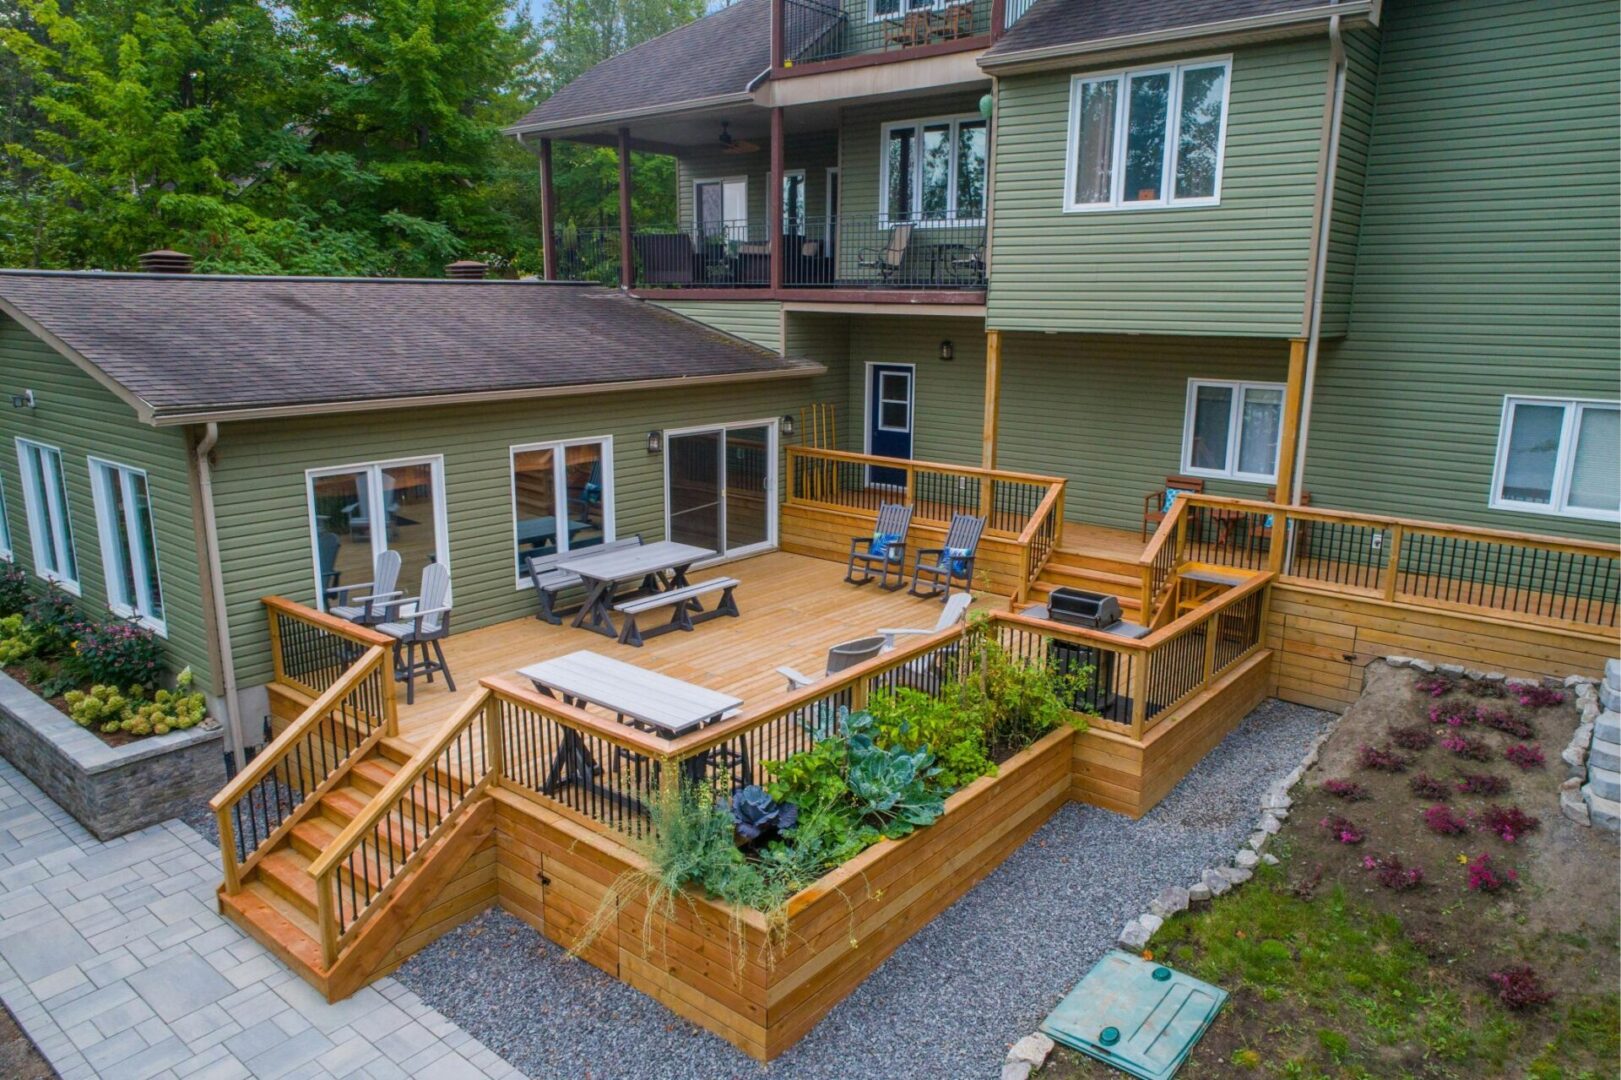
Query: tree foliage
point(306, 137)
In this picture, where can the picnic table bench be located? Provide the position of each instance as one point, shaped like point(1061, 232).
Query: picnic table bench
point(684, 601)
point(658, 567)
point(550, 581)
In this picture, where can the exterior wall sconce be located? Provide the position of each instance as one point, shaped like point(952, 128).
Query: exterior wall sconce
point(787, 425)
point(24, 400)
point(947, 352)
point(655, 441)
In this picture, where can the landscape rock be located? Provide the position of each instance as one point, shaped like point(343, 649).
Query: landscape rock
point(1571, 803)
point(1605, 813)
point(1016, 1070)
point(1198, 892)
point(1423, 665)
point(1171, 899)
point(1473, 675)
point(1584, 691)
point(1246, 858)
point(1495, 676)
point(1150, 922)
point(1575, 756)
point(1591, 713)
point(1270, 824)
point(1607, 728)
point(1032, 1049)
point(1270, 859)
point(1398, 661)
point(1217, 882)
point(1279, 801)
point(1258, 840)
point(1452, 669)
point(1237, 874)
point(1573, 681)
point(1280, 813)
point(1134, 936)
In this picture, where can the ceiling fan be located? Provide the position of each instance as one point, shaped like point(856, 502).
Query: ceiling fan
point(731, 145)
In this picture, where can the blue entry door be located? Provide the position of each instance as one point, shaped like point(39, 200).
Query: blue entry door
point(889, 419)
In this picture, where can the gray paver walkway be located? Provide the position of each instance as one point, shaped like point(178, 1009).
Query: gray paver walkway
point(116, 962)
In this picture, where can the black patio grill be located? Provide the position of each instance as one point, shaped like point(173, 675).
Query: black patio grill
point(1075, 607)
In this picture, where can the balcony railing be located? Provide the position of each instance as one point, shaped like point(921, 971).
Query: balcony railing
point(588, 254)
point(818, 30)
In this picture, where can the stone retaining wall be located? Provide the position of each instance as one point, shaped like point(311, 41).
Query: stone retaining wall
point(111, 790)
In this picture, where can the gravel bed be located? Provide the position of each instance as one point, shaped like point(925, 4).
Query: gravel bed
point(947, 1003)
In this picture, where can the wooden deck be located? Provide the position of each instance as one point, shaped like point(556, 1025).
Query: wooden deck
point(1100, 540)
point(794, 607)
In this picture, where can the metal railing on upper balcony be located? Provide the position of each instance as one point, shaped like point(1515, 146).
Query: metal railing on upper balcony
point(818, 30)
point(588, 254)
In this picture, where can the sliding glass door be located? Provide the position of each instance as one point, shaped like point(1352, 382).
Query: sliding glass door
point(720, 487)
point(359, 511)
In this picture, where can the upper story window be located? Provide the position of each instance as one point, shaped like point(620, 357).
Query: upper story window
point(890, 9)
point(1559, 457)
point(934, 170)
point(129, 545)
point(45, 498)
point(1232, 430)
point(1149, 137)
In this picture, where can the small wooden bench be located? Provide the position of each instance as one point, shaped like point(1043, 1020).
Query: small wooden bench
point(549, 581)
point(685, 602)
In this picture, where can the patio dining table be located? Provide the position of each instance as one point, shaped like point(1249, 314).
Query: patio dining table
point(652, 702)
point(658, 566)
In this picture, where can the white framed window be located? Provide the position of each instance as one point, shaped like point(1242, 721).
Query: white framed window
point(359, 511)
point(934, 169)
point(884, 10)
point(793, 202)
point(45, 499)
point(6, 551)
point(1558, 456)
point(562, 498)
point(1231, 430)
point(1147, 137)
point(129, 543)
point(720, 207)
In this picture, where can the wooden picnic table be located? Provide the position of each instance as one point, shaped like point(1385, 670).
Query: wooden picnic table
point(651, 701)
point(659, 566)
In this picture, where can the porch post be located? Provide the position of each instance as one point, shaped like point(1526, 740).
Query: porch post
point(998, 17)
point(1289, 435)
point(777, 14)
point(548, 214)
point(993, 397)
point(627, 265)
point(773, 199)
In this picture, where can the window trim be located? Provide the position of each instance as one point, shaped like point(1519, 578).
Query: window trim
point(1235, 429)
point(441, 527)
point(885, 219)
point(906, 7)
point(32, 510)
point(1564, 460)
point(560, 485)
point(728, 225)
point(8, 550)
point(804, 198)
point(104, 471)
point(1173, 130)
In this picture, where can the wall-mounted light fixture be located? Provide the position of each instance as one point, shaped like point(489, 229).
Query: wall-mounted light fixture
point(655, 442)
point(946, 351)
point(787, 425)
point(24, 400)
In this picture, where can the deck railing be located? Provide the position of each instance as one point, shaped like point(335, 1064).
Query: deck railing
point(588, 253)
point(311, 650)
point(1157, 565)
point(286, 779)
point(817, 30)
point(876, 250)
point(359, 870)
point(1041, 536)
point(1575, 583)
point(1010, 502)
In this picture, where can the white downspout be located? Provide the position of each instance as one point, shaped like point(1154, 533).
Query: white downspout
point(1314, 328)
point(216, 583)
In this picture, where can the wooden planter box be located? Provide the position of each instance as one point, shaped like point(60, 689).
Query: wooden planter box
point(110, 790)
point(553, 872)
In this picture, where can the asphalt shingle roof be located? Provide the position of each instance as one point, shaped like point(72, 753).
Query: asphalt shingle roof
point(718, 54)
point(1078, 22)
point(191, 345)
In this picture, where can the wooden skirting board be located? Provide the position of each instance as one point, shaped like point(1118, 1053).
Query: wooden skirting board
point(1323, 640)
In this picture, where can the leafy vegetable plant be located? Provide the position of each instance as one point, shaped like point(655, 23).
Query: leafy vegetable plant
point(757, 815)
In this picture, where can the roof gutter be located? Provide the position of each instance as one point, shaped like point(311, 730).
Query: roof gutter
point(1043, 57)
point(216, 589)
point(562, 128)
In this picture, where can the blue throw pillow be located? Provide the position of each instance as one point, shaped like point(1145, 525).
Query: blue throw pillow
point(1269, 521)
point(959, 560)
point(1170, 499)
point(881, 542)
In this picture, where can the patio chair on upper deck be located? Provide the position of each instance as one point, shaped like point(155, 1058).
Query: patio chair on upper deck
point(421, 621)
point(953, 562)
point(367, 610)
point(958, 21)
point(885, 547)
point(887, 260)
point(1157, 504)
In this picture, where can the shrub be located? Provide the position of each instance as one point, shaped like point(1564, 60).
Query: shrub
point(1537, 696)
point(1452, 713)
point(1425, 786)
point(1342, 830)
point(758, 816)
point(1017, 703)
point(1439, 684)
point(1487, 688)
point(1483, 877)
point(1508, 823)
point(1465, 747)
point(54, 621)
point(907, 719)
point(13, 590)
point(133, 713)
point(1412, 737)
point(1520, 988)
point(118, 651)
point(101, 705)
point(1345, 789)
point(1525, 756)
point(1390, 873)
point(1481, 784)
point(1442, 820)
point(17, 642)
point(1506, 722)
point(1382, 759)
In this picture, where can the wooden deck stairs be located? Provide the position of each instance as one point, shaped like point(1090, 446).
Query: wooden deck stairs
point(1077, 569)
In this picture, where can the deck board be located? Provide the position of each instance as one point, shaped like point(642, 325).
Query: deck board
point(794, 607)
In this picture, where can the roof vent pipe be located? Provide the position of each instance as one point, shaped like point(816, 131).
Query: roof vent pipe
point(466, 270)
point(165, 262)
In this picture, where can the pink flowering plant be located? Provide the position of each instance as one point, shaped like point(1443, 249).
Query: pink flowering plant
point(1536, 696)
point(1484, 877)
point(1507, 722)
point(1465, 747)
point(1425, 786)
point(1526, 756)
point(1412, 737)
point(1348, 790)
point(1390, 873)
point(1444, 820)
point(1508, 823)
point(1436, 685)
point(1382, 759)
point(1481, 784)
point(1343, 830)
point(1520, 987)
point(117, 652)
point(1452, 713)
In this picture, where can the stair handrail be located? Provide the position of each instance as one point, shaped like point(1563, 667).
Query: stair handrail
point(477, 768)
point(1040, 537)
point(1158, 562)
point(292, 758)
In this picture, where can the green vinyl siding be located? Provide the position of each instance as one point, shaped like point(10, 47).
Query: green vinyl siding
point(758, 321)
point(1350, 177)
point(1107, 413)
point(81, 418)
point(826, 337)
point(1234, 269)
point(264, 518)
point(948, 395)
point(1487, 263)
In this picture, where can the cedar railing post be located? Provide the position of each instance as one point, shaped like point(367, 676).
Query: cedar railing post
point(1139, 694)
point(278, 671)
point(548, 214)
point(1210, 629)
point(326, 918)
point(627, 264)
point(1393, 560)
point(233, 879)
point(494, 754)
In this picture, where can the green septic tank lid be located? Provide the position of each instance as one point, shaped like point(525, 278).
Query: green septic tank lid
point(1140, 1017)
